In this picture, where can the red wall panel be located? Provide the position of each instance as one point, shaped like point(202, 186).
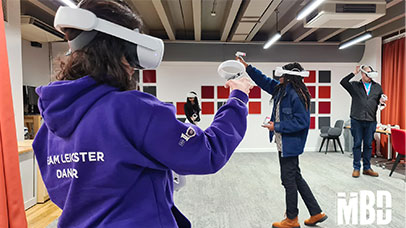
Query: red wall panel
point(223, 92)
point(255, 92)
point(312, 122)
point(254, 107)
point(180, 108)
point(324, 107)
point(324, 92)
point(149, 76)
point(312, 91)
point(208, 108)
point(208, 92)
point(311, 78)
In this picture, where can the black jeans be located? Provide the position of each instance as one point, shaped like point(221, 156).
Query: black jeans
point(293, 182)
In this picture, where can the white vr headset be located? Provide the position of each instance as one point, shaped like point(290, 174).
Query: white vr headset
point(279, 71)
point(146, 53)
point(191, 94)
point(372, 74)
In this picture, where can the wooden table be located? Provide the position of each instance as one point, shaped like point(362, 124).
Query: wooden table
point(24, 146)
point(389, 155)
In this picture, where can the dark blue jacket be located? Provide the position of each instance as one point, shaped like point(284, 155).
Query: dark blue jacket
point(294, 117)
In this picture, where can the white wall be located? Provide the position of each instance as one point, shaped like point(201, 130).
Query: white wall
point(175, 79)
point(36, 68)
point(373, 55)
point(13, 38)
point(59, 48)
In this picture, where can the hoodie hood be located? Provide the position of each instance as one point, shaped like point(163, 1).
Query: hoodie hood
point(63, 103)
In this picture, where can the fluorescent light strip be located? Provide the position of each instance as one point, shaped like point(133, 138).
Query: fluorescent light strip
point(308, 9)
point(271, 41)
point(355, 40)
point(69, 3)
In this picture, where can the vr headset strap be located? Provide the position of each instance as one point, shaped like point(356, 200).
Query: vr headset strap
point(83, 39)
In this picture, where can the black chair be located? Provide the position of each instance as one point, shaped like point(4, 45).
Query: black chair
point(333, 133)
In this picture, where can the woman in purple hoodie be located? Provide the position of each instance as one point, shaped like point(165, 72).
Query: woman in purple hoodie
point(106, 152)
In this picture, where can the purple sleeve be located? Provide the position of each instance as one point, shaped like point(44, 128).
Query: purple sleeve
point(187, 149)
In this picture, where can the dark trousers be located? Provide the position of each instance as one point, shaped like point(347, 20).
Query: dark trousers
point(362, 131)
point(293, 182)
point(181, 220)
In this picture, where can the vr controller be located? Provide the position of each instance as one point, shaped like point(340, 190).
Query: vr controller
point(382, 102)
point(232, 69)
point(240, 54)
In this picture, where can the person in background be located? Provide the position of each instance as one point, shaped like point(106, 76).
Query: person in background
point(106, 151)
point(290, 122)
point(192, 108)
point(192, 112)
point(365, 95)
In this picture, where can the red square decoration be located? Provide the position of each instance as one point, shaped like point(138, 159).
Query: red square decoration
point(208, 92)
point(207, 107)
point(312, 122)
point(223, 92)
point(324, 92)
point(311, 78)
point(180, 108)
point(149, 76)
point(254, 107)
point(324, 107)
point(255, 92)
point(312, 91)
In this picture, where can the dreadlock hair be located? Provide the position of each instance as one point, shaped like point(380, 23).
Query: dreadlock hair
point(297, 84)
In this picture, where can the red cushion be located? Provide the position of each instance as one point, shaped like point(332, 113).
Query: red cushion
point(398, 140)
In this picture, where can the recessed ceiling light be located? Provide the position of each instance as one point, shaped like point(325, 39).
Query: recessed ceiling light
point(358, 39)
point(69, 3)
point(271, 41)
point(308, 9)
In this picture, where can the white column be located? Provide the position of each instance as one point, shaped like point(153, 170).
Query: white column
point(13, 38)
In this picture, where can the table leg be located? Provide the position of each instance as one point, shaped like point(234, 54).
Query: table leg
point(390, 156)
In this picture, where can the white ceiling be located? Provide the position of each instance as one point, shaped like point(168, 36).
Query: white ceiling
point(235, 20)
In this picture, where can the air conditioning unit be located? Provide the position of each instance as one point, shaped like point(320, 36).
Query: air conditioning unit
point(345, 14)
point(33, 29)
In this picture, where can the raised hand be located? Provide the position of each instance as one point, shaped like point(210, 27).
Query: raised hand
point(243, 84)
point(357, 70)
point(242, 61)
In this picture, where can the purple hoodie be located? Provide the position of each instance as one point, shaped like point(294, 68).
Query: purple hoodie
point(106, 155)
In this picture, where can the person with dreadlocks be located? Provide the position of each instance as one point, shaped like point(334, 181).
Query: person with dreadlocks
point(290, 123)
